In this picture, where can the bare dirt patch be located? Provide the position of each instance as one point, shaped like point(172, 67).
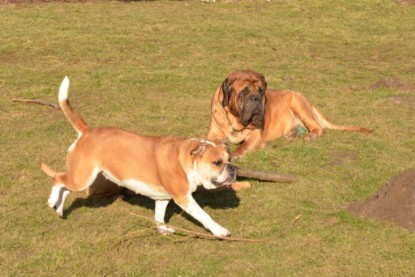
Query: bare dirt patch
point(341, 158)
point(391, 82)
point(394, 202)
point(404, 100)
point(397, 84)
point(405, 2)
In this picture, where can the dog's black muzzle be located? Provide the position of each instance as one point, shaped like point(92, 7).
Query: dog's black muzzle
point(253, 111)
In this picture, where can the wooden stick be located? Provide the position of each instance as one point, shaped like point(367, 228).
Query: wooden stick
point(263, 175)
point(38, 101)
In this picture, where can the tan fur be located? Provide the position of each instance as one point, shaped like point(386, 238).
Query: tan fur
point(284, 111)
point(161, 168)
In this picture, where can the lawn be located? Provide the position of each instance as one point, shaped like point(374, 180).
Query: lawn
point(152, 68)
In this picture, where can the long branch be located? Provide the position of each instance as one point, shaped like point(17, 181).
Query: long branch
point(265, 175)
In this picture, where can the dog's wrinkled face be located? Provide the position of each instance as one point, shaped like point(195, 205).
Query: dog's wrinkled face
point(244, 95)
point(211, 162)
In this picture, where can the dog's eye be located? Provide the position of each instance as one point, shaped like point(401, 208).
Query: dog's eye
point(261, 91)
point(218, 163)
point(245, 91)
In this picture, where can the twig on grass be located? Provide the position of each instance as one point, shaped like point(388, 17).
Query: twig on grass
point(38, 101)
point(188, 234)
point(201, 235)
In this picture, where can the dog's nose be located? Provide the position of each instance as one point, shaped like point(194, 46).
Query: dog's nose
point(231, 169)
point(256, 98)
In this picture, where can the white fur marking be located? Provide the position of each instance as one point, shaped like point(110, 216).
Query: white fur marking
point(205, 141)
point(63, 89)
point(54, 195)
point(195, 179)
point(111, 178)
point(145, 189)
point(200, 215)
point(160, 211)
point(138, 187)
point(164, 230)
point(59, 209)
point(57, 198)
point(73, 145)
point(92, 178)
point(223, 176)
point(321, 120)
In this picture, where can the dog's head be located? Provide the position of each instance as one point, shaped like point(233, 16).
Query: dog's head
point(211, 164)
point(244, 95)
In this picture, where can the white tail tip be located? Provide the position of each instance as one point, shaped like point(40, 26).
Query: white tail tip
point(63, 89)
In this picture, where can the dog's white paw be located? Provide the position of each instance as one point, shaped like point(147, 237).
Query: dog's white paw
point(60, 213)
point(51, 203)
point(219, 231)
point(164, 230)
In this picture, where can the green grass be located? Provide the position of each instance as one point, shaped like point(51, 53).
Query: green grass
point(152, 67)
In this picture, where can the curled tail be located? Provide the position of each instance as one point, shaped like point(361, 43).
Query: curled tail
point(75, 119)
point(327, 124)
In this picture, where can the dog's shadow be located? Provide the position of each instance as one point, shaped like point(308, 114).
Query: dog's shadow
point(103, 193)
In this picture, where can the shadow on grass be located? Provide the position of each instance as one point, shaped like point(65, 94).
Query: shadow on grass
point(221, 198)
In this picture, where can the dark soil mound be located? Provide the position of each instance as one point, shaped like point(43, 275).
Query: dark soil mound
point(394, 202)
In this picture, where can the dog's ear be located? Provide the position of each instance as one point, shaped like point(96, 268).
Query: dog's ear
point(226, 90)
point(199, 149)
point(263, 80)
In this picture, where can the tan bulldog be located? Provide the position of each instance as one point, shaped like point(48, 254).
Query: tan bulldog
point(162, 168)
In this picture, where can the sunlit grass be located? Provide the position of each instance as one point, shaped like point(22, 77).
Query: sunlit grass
point(152, 67)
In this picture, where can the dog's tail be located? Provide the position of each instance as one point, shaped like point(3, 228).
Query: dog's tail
point(327, 124)
point(75, 119)
point(50, 172)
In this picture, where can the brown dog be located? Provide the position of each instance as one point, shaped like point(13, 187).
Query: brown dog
point(245, 112)
point(162, 168)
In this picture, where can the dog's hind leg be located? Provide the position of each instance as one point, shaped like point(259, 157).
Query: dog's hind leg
point(304, 111)
point(57, 198)
point(63, 184)
point(58, 194)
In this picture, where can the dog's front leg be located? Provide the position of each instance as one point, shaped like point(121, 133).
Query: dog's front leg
point(160, 212)
point(253, 141)
point(193, 209)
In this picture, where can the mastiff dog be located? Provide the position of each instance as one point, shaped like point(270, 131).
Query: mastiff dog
point(245, 112)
